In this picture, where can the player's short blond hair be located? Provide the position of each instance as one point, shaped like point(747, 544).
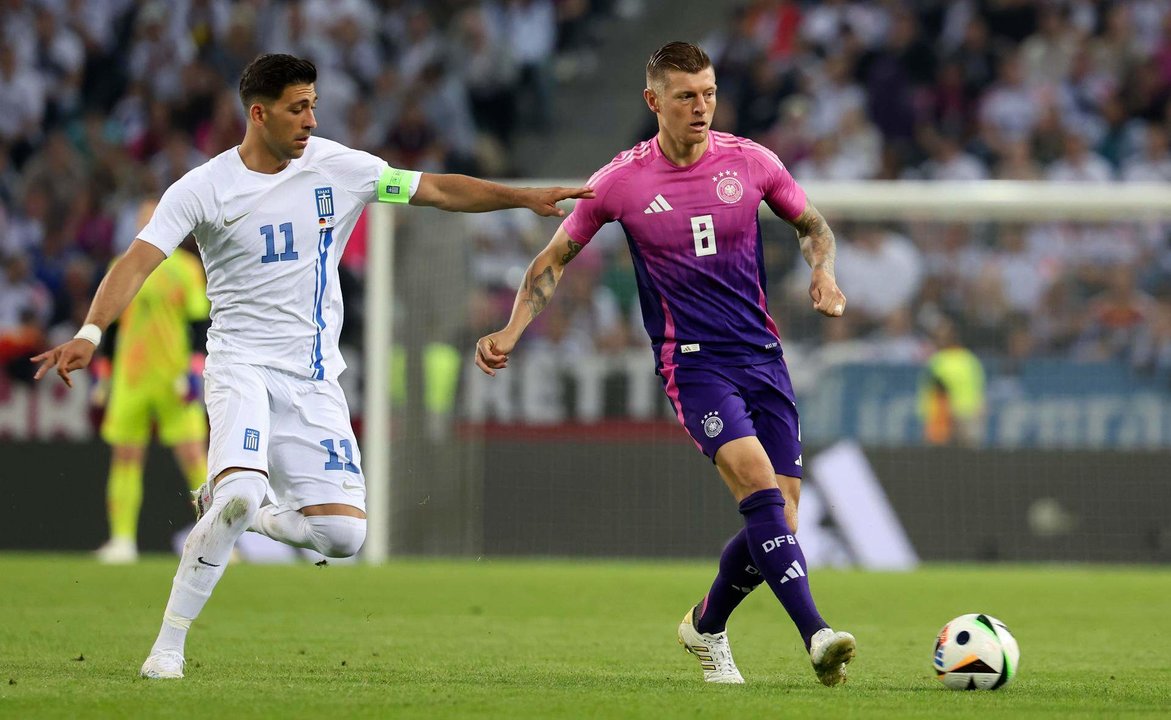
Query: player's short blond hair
point(679, 56)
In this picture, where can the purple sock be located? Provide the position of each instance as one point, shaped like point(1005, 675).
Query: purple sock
point(777, 555)
point(737, 577)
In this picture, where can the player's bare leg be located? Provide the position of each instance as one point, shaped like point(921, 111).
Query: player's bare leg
point(235, 501)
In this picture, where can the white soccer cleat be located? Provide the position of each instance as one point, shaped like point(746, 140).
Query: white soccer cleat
point(117, 551)
point(830, 652)
point(163, 665)
point(201, 499)
point(713, 651)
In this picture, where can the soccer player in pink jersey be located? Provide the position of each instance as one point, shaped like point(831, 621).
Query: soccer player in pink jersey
point(688, 200)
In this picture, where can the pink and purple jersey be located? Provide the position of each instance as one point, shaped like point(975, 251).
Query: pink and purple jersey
point(694, 236)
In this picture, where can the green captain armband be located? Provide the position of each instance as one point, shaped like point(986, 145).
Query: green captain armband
point(396, 186)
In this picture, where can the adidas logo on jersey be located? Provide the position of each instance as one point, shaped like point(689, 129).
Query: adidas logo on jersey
point(658, 205)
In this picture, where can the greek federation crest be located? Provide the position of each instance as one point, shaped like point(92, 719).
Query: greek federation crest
point(712, 424)
point(325, 216)
point(728, 187)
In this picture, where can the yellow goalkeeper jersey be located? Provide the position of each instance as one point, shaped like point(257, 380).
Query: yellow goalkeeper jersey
point(153, 345)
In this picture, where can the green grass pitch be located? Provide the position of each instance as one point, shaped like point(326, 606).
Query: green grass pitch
point(572, 639)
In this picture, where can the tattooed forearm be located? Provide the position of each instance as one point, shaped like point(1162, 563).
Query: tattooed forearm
point(541, 278)
point(538, 289)
point(817, 240)
point(571, 253)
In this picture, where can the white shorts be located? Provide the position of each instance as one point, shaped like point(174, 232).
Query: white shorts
point(294, 429)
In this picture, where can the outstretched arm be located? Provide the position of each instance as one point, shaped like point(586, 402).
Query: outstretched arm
point(536, 290)
point(820, 251)
point(461, 193)
point(115, 292)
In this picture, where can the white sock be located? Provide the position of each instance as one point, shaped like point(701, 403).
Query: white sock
point(206, 552)
point(335, 536)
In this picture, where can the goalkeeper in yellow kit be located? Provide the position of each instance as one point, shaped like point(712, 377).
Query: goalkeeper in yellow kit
point(154, 382)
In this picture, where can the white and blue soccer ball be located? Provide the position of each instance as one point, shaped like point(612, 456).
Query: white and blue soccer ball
point(975, 652)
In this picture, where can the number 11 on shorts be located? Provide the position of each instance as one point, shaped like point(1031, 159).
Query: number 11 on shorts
point(334, 462)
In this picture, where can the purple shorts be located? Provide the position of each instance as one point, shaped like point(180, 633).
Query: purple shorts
point(717, 404)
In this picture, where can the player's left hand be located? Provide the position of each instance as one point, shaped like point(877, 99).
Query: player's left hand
point(66, 357)
point(543, 201)
point(828, 299)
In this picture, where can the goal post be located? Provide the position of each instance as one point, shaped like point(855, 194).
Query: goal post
point(378, 298)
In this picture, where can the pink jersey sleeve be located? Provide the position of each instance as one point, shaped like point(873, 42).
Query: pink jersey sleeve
point(589, 216)
point(781, 191)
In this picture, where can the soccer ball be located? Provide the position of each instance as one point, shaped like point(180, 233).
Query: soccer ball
point(975, 652)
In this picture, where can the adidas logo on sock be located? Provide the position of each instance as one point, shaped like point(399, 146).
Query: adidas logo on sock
point(658, 205)
point(793, 572)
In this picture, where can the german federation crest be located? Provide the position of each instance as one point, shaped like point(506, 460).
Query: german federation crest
point(712, 424)
point(728, 187)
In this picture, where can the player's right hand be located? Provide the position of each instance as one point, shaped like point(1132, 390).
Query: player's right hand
point(67, 357)
point(543, 201)
point(492, 352)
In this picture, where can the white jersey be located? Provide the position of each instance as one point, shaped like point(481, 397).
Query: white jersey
point(271, 245)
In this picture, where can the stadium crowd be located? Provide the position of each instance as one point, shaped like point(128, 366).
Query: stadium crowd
point(1061, 90)
point(112, 100)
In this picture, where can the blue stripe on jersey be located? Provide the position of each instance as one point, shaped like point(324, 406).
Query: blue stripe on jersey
point(324, 240)
point(760, 272)
point(649, 298)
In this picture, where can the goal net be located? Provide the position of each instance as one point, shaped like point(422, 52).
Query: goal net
point(998, 389)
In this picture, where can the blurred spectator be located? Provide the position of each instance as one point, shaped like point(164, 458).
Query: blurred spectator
point(414, 140)
point(1008, 111)
point(1116, 318)
point(1078, 163)
point(529, 27)
point(882, 268)
point(23, 90)
point(489, 72)
point(1152, 348)
point(22, 296)
point(60, 62)
point(827, 162)
point(1017, 163)
point(1154, 165)
point(157, 58)
point(835, 93)
point(949, 162)
point(1048, 53)
point(58, 168)
point(223, 129)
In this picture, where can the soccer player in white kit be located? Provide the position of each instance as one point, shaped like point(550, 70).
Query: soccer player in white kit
point(272, 217)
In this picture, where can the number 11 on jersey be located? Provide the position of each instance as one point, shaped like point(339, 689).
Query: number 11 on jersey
point(270, 254)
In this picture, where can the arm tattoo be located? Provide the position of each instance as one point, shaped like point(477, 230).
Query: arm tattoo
point(539, 288)
point(539, 285)
point(817, 240)
point(571, 253)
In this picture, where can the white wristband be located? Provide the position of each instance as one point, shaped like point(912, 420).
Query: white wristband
point(90, 332)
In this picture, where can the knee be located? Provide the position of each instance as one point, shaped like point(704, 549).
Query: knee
point(237, 498)
point(752, 476)
point(129, 454)
point(337, 536)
